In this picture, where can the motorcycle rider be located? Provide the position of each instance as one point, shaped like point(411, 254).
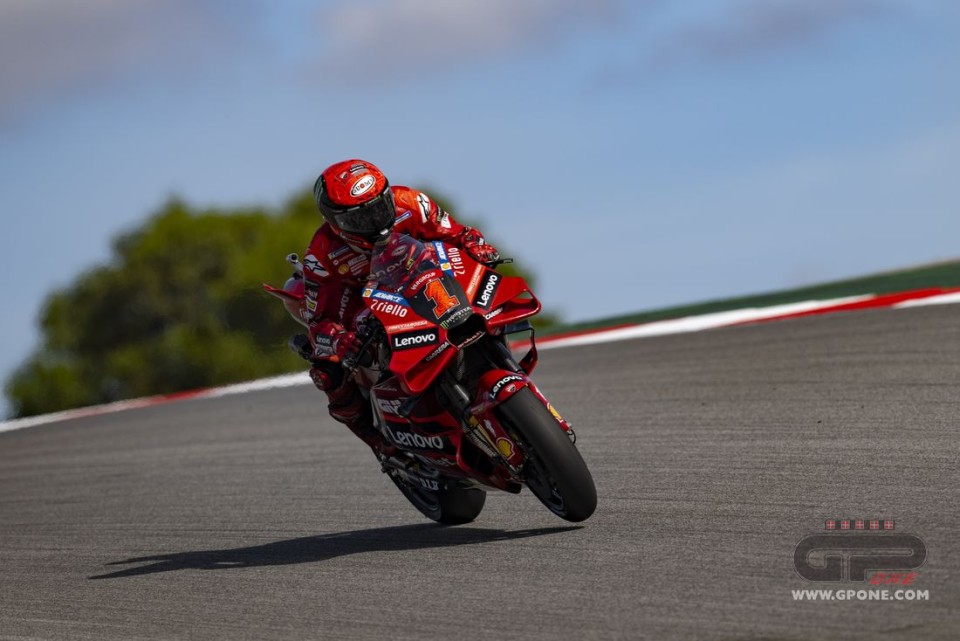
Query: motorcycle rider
point(361, 208)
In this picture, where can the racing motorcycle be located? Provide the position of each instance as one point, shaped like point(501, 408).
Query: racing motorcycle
point(460, 413)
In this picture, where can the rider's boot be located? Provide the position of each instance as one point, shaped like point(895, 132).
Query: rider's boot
point(348, 406)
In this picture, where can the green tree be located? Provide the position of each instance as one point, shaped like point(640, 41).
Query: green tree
point(179, 306)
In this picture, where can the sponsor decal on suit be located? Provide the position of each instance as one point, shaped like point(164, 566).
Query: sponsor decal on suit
point(424, 204)
point(310, 262)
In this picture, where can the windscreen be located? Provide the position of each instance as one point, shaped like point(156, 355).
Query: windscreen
point(399, 261)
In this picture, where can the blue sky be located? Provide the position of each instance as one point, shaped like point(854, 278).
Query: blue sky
point(636, 154)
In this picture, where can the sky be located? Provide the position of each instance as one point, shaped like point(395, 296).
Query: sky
point(634, 154)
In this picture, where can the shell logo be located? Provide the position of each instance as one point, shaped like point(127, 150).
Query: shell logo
point(555, 413)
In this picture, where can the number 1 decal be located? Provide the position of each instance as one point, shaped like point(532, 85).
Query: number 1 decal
point(440, 297)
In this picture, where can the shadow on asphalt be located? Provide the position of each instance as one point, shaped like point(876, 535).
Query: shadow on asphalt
point(313, 549)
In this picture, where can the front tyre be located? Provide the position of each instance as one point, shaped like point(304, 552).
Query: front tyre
point(555, 471)
point(450, 506)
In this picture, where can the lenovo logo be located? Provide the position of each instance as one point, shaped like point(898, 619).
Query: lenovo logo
point(410, 439)
point(488, 287)
point(410, 340)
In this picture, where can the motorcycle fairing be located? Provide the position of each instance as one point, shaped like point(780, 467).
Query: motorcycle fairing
point(293, 301)
point(436, 438)
point(419, 343)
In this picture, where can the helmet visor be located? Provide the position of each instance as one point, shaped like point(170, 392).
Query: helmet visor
point(368, 219)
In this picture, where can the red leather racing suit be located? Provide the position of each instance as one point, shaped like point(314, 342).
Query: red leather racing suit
point(334, 274)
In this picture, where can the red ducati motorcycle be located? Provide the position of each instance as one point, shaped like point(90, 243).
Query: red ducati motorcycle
point(461, 413)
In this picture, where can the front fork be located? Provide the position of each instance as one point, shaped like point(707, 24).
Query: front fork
point(483, 431)
point(479, 419)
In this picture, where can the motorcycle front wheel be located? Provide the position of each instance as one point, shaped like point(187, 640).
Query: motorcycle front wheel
point(554, 470)
point(449, 506)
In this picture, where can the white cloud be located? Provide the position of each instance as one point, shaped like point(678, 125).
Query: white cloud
point(751, 26)
point(436, 32)
point(51, 49)
point(732, 30)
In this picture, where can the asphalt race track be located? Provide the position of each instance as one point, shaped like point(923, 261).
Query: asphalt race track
point(257, 517)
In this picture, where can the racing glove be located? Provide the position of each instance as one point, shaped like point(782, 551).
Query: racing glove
point(478, 248)
point(331, 339)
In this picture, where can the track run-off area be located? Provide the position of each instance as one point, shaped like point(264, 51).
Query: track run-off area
point(255, 516)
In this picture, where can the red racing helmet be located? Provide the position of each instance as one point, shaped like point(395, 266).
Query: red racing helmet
point(355, 199)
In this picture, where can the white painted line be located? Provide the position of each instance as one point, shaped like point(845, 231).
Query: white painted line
point(94, 410)
point(941, 299)
point(286, 380)
point(656, 328)
point(698, 323)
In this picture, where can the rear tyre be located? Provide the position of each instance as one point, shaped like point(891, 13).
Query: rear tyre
point(555, 471)
point(450, 506)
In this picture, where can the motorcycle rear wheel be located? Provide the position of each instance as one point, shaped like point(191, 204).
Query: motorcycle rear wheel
point(449, 506)
point(555, 472)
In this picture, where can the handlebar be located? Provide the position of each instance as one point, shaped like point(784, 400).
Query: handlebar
point(351, 363)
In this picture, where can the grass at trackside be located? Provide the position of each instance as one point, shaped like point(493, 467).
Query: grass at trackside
point(945, 274)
